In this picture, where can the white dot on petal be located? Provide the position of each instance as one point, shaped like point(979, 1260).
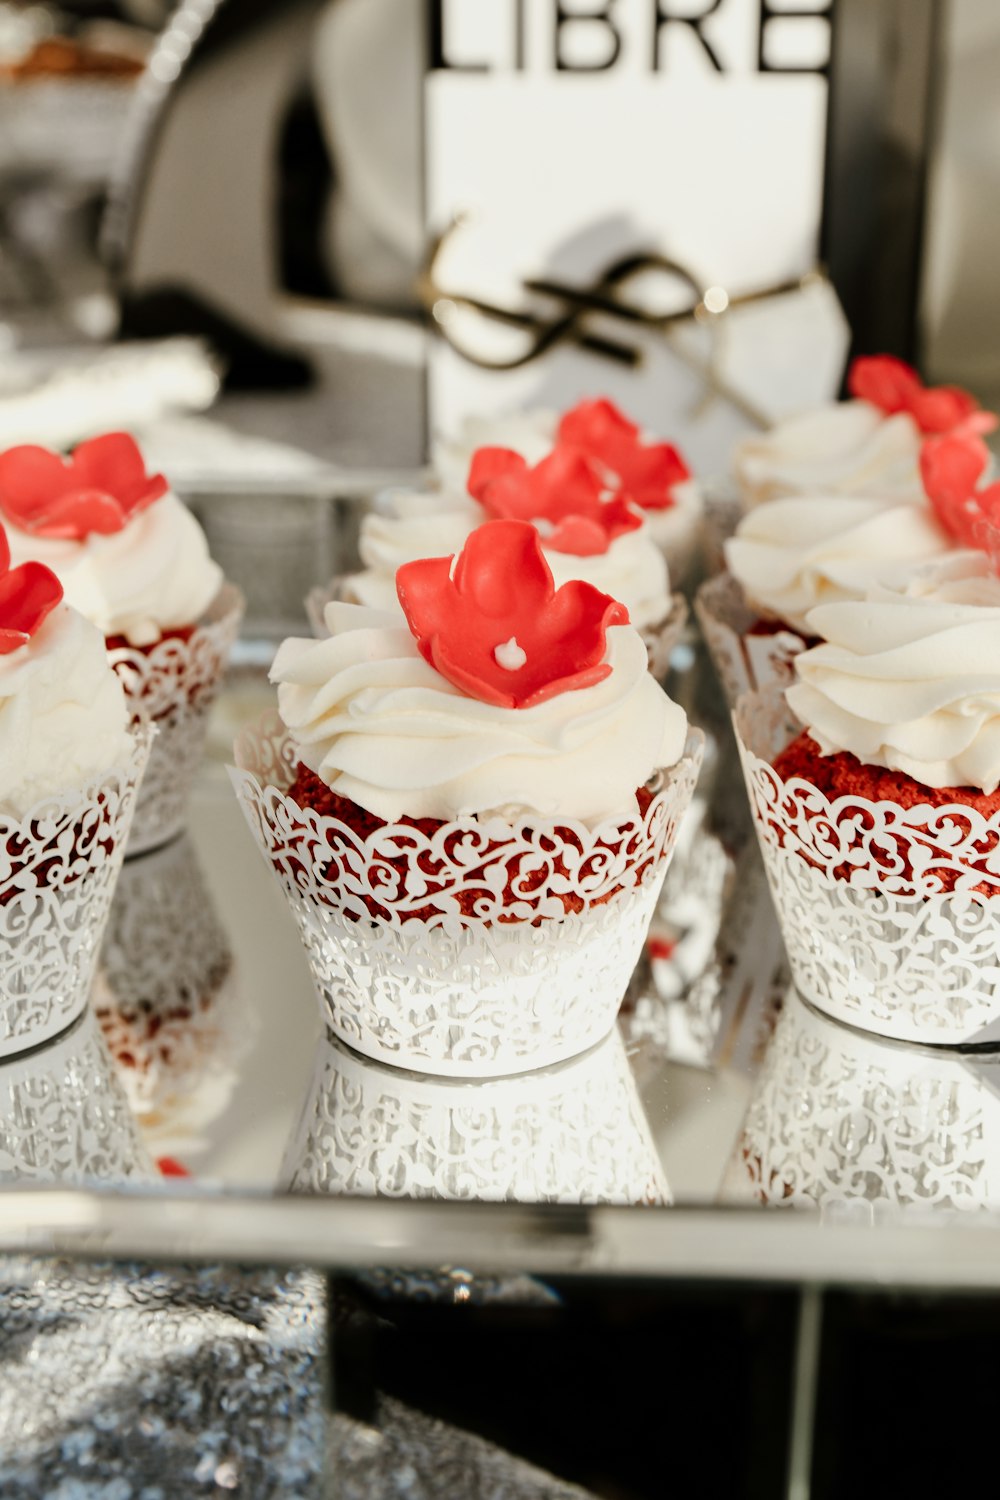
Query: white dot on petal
point(510, 656)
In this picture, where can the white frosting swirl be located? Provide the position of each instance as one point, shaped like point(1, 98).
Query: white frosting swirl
point(385, 729)
point(530, 433)
point(63, 718)
point(791, 555)
point(632, 570)
point(153, 575)
point(845, 448)
point(909, 681)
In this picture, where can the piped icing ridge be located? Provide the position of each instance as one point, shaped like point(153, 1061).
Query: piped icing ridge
point(793, 554)
point(910, 680)
point(381, 726)
point(869, 445)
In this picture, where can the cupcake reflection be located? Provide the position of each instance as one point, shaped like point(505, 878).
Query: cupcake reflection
point(64, 1116)
point(840, 1116)
point(166, 996)
point(574, 1134)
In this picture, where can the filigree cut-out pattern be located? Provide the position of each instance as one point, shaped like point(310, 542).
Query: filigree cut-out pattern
point(743, 661)
point(481, 982)
point(64, 1118)
point(58, 867)
point(576, 1134)
point(837, 1117)
point(175, 685)
point(908, 945)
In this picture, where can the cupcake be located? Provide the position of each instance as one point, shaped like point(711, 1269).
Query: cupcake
point(71, 769)
point(838, 1117)
point(653, 474)
point(134, 561)
point(789, 556)
point(875, 790)
point(470, 803)
point(869, 445)
point(584, 534)
point(576, 1133)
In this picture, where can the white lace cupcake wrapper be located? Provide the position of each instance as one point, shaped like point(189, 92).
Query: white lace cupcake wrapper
point(174, 685)
point(64, 1117)
point(744, 662)
point(58, 867)
point(165, 994)
point(840, 1117)
point(575, 1134)
point(886, 949)
point(453, 953)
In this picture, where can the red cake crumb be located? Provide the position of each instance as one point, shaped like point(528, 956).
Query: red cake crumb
point(309, 790)
point(843, 775)
point(764, 626)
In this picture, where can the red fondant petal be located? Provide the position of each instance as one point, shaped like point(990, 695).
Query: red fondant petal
point(563, 496)
point(79, 514)
point(502, 567)
point(597, 427)
point(501, 587)
point(568, 482)
point(578, 536)
point(654, 475)
point(422, 588)
point(510, 498)
point(979, 422)
point(113, 463)
point(950, 467)
point(886, 382)
point(648, 472)
point(27, 595)
point(490, 464)
point(10, 640)
point(942, 408)
point(472, 670)
point(30, 479)
point(988, 501)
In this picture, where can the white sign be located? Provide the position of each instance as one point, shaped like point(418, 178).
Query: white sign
point(564, 135)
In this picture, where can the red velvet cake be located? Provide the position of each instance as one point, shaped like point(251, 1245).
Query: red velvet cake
point(309, 790)
point(843, 775)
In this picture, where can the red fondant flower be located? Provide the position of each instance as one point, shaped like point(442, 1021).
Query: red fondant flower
point(647, 472)
point(99, 489)
point(561, 496)
point(951, 468)
point(27, 595)
point(894, 386)
point(492, 622)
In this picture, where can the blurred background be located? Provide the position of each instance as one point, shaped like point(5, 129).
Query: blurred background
point(221, 224)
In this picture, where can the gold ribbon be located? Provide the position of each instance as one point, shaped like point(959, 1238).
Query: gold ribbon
point(604, 297)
